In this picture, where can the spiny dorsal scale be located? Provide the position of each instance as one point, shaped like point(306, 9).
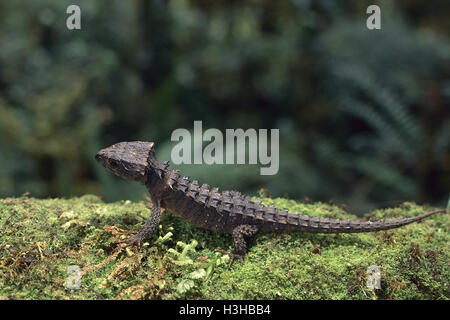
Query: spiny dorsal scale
point(356, 225)
point(239, 207)
point(293, 218)
point(234, 208)
point(183, 184)
point(334, 223)
point(303, 221)
point(259, 214)
point(173, 178)
point(250, 209)
point(203, 194)
point(215, 198)
point(236, 194)
point(269, 214)
point(226, 207)
point(160, 172)
point(314, 222)
point(193, 189)
point(325, 223)
point(345, 224)
point(282, 216)
point(211, 194)
point(226, 197)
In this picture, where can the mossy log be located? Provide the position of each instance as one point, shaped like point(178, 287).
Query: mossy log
point(41, 238)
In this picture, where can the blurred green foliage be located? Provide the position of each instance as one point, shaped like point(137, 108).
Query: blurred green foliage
point(363, 115)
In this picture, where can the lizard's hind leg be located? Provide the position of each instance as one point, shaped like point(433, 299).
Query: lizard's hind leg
point(240, 234)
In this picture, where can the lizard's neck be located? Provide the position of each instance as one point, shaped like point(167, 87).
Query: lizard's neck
point(156, 175)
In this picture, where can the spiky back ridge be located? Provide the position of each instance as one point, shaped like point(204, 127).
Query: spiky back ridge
point(239, 209)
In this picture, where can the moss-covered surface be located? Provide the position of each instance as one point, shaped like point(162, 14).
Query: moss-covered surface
point(40, 239)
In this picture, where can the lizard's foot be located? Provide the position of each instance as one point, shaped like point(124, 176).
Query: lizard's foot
point(147, 229)
point(135, 240)
point(233, 256)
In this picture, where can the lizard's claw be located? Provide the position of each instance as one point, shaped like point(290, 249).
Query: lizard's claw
point(132, 241)
point(233, 256)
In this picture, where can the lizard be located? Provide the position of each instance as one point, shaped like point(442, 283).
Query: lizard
point(227, 212)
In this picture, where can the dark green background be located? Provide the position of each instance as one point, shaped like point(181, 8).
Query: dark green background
point(363, 115)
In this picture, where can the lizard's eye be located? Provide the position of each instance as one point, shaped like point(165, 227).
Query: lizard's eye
point(113, 164)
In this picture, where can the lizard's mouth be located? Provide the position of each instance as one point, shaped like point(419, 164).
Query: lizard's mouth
point(109, 164)
point(100, 158)
point(122, 167)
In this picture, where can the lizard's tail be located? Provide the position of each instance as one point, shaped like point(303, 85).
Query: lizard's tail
point(316, 225)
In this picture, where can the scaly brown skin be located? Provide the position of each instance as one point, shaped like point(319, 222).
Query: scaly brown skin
point(228, 212)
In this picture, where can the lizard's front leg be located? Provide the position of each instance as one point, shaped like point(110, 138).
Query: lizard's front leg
point(240, 233)
point(149, 226)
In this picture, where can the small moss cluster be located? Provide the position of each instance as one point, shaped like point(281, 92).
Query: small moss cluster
point(41, 239)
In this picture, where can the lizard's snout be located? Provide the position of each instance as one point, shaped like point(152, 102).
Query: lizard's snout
point(100, 157)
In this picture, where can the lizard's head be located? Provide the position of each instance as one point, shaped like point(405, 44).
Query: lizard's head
point(126, 159)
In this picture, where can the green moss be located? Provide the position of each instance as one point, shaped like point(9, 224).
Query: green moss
point(40, 239)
